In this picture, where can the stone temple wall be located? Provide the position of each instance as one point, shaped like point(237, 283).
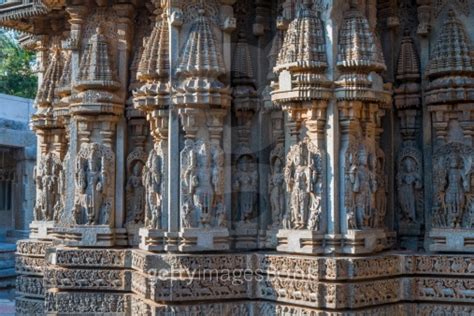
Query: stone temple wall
point(305, 157)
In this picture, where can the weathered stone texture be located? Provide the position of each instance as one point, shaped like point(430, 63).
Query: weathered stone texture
point(237, 157)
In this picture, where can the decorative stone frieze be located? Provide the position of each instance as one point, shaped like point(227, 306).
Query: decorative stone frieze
point(236, 157)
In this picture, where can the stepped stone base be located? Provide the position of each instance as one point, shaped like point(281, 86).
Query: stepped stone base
point(92, 236)
point(7, 265)
point(136, 282)
point(452, 240)
point(246, 236)
point(355, 242)
point(152, 239)
point(196, 239)
point(300, 241)
point(42, 230)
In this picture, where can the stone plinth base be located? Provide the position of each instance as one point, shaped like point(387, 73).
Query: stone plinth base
point(300, 241)
point(7, 265)
point(202, 239)
point(27, 306)
point(271, 241)
point(152, 239)
point(249, 308)
point(42, 230)
point(412, 229)
point(90, 303)
point(353, 284)
point(246, 236)
point(353, 242)
point(411, 236)
point(91, 236)
point(366, 241)
point(133, 234)
point(452, 240)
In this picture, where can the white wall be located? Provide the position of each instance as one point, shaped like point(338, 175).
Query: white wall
point(15, 108)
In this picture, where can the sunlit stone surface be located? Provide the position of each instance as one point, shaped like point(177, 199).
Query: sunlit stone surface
point(246, 157)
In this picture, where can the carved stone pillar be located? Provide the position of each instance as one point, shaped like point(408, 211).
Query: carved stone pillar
point(245, 165)
point(135, 191)
point(303, 92)
point(49, 174)
point(424, 16)
point(95, 108)
point(449, 96)
point(203, 100)
point(361, 99)
point(153, 99)
point(409, 166)
point(275, 180)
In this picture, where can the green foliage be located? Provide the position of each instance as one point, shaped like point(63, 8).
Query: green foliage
point(16, 75)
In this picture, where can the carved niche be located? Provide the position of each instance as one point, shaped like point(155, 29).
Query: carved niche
point(361, 186)
point(202, 184)
point(276, 184)
point(49, 178)
point(410, 184)
point(94, 184)
point(245, 186)
point(303, 175)
point(453, 205)
point(135, 187)
point(153, 184)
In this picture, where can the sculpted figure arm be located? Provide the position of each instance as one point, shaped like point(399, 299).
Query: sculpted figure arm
point(466, 181)
point(102, 183)
point(81, 181)
point(418, 181)
point(289, 177)
point(129, 186)
point(353, 178)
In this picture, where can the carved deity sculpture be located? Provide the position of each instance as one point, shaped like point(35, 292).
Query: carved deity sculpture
point(381, 193)
point(188, 163)
point(362, 185)
point(276, 186)
point(452, 182)
point(135, 192)
point(457, 185)
point(409, 183)
point(201, 184)
point(245, 186)
point(47, 179)
point(93, 183)
point(218, 185)
point(316, 191)
point(303, 177)
point(152, 179)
